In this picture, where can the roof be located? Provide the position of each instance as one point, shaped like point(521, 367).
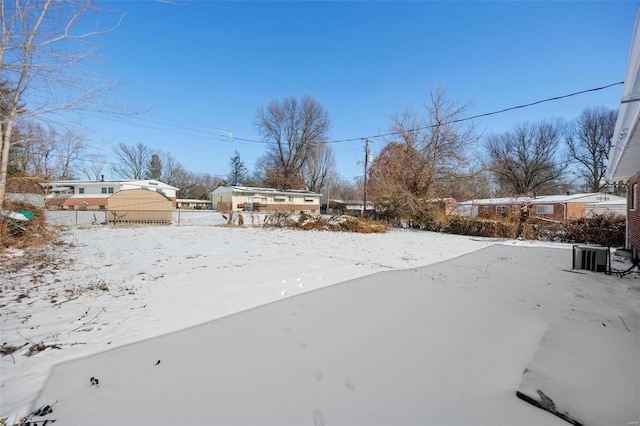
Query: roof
point(138, 182)
point(624, 155)
point(507, 200)
point(261, 191)
point(564, 198)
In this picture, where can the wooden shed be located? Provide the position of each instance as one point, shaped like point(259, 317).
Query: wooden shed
point(139, 206)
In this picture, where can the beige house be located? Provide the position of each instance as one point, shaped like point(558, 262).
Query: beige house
point(264, 200)
point(136, 206)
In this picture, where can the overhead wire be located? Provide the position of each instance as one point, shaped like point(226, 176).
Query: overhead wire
point(220, 138)
point(486, 114)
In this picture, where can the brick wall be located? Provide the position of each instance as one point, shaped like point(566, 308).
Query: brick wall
point(634, 214)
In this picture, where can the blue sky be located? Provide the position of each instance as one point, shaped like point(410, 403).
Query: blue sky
point(202, 68)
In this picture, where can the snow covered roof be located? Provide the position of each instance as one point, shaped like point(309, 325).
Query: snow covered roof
point(564, 198)
point(135, 182)
point(506, 200)
point(255, 191)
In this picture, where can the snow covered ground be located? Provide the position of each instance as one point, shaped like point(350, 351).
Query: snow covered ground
point(424, 328)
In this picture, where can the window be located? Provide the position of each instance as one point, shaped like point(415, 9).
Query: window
point(107, 189)
point(280, 198)
point(80, 190)
point(634, 197)
point(309, 199)
point(486, 208)
point(111, 190)
point(104, 189)
point(544, 209)
point(501, 209)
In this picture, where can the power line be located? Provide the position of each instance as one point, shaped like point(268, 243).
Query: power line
point(486, 114)
point(212, 136)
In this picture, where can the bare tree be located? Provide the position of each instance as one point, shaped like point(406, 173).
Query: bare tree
point(441, 140)
point(343, 189)
point(428, 159)
point(92, 166)
point(320, 164)
point(292, 128)
point(525, 159)
point(70, 147)
point(589, 140)
point(172, 170)
point(132, 160)
point(45, 152)
point(41, 42)
point(210, 182)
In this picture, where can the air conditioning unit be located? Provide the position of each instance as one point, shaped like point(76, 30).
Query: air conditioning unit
point(592, 258)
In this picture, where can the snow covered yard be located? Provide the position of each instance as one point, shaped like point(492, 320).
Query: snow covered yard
point(414, 334)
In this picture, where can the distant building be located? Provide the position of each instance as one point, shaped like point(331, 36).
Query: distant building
point(264, 200)
point(624, 156)
point(554, 207)
point(191, 204)
point(93, 195)
point(354, 207)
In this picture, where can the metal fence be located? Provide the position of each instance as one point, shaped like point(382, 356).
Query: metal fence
point(101, 217)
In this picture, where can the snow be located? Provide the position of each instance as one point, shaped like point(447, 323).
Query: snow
point(277, 326)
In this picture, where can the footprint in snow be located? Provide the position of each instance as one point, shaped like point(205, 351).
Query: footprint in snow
point(349, 384)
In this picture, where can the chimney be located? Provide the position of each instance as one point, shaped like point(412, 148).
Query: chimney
point(101, 178)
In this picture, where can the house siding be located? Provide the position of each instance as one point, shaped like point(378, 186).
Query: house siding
point(139, 206)
point(264, 200)
point(576, 210)
point(633, 216)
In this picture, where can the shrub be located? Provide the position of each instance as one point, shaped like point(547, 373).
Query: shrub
point(480, 227)
point(279, 220)
point(606, 230)
point(342, 223)
point(432, 218)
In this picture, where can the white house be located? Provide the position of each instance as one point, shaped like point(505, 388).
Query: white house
point(92, 194)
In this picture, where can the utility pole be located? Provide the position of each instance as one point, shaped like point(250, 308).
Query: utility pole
point(366, 163)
